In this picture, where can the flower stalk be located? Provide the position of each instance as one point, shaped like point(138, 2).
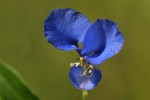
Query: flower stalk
point(84, 94)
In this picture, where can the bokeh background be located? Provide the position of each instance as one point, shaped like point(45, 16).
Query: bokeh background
point(45, 69)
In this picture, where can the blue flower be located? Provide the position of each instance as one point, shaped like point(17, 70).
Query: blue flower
point(66, 28)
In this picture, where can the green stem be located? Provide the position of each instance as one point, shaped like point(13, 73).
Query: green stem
point(84, 94)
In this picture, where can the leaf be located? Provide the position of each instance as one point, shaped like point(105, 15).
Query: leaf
point(12, 86)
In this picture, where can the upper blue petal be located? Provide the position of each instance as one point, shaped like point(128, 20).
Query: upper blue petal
point(64, 28)
point(94, 40)
point(113, 44)
point(84, 82)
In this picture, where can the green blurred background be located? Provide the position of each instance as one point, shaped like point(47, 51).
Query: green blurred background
point(45, 69)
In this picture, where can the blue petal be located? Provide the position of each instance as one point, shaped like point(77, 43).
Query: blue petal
point(84, 82)
point(94, 40)
point(114, 42)
point(64, 28)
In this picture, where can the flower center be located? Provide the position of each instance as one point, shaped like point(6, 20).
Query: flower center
point(87, 68)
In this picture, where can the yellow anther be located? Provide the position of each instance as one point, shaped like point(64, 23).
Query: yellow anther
point(81, 61)
point(75, 64)
point(91, 66)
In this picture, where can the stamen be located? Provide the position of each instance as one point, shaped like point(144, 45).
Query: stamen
point(81, 61)
point(75, 64)
point(87, 71)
